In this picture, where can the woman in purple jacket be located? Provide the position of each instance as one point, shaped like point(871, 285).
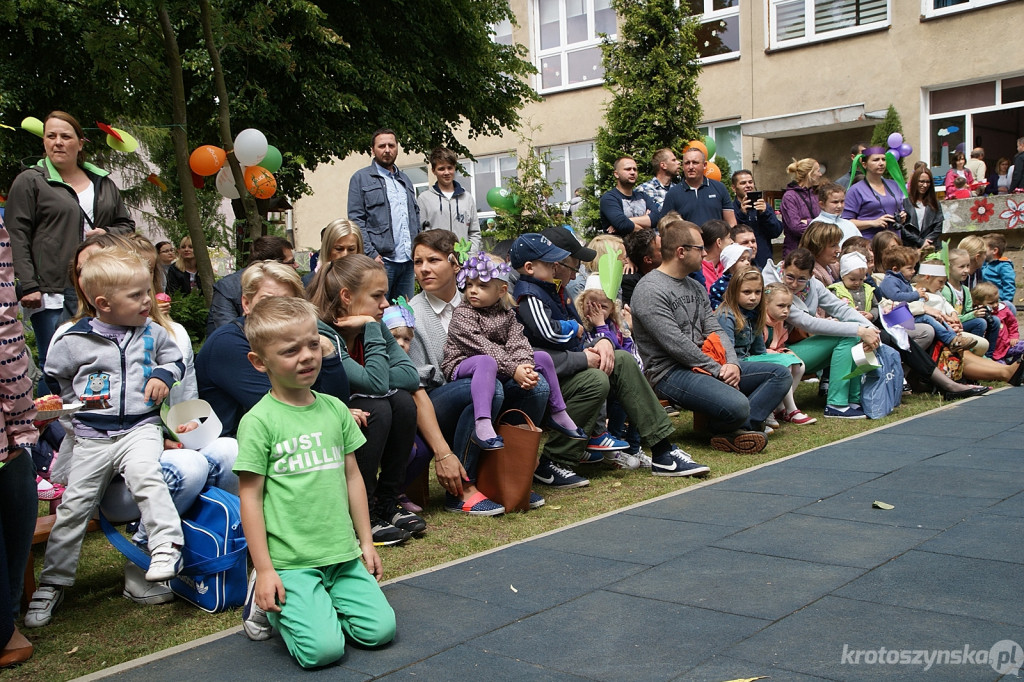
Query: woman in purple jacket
point(800, 202)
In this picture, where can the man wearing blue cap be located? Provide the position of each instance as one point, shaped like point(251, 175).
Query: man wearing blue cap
point(587, 374)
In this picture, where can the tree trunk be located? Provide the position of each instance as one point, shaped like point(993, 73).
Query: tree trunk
point(179, 136)
point(252, 217)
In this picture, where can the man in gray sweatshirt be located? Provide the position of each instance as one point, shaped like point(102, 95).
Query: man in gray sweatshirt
point(674, 326)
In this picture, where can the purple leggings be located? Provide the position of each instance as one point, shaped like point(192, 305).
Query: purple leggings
point(484, 371)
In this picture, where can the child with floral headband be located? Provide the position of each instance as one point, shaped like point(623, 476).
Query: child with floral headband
point(486, 340)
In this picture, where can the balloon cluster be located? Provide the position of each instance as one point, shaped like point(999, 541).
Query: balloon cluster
point(898, 147)
point(259, 160)
point(708, 147)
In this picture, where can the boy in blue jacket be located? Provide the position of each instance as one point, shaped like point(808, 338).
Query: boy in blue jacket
point(999, 270)
point(121, 366)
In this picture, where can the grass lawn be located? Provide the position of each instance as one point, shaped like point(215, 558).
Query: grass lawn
point(96, 627)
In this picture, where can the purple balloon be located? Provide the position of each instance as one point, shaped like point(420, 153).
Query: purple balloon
point(906, 150)
point(895, 140)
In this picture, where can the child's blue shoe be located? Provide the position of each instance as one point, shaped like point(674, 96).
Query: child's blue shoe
point(496, 443)
point(477, 504)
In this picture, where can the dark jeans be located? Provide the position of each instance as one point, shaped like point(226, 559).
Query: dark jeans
point(44, 324)
point(390, 432)
point(763, 385)
point(987, 327)
point(453, 403)
point(18, 511)
point(400, 279)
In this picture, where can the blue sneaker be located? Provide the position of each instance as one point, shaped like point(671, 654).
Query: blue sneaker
point(605, 442)
point(676, 462)
point(557, 476)
point(536, 501)
point(591, 457)
point(848, 412)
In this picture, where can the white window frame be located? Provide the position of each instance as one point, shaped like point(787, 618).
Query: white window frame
point(711, 14)
point(710, 129)
point(929, 12)
point(562, 151)
point(928, 115)
point(563, 50)
point(810, 36)
point(495, 36)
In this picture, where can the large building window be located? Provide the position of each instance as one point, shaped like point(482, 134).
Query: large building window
point(798, 22)
point(728, 143)
point(718, 37)
point(483, 174)
point(940, 8)
point(567, 164)
point(568, 41)
point(988, 114)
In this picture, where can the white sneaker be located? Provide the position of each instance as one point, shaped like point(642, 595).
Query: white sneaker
point(254, 619)
point(44, 601)
point(622, 460)
point(645, 460)
point(141, 591)
point(771, 421)
point(164, 563)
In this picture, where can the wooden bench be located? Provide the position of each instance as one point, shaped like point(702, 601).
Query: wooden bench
point(44, 524)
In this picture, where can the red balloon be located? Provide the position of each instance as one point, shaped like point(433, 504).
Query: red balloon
point(260, 182)
point(713, 172)
point(207, 160)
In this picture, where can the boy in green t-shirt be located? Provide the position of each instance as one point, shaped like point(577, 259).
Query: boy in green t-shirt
point(301, 494)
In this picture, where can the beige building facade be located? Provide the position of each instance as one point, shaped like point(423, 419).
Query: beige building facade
point(782, 79)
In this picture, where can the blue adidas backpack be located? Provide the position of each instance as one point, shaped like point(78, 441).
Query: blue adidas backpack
point(213, 575)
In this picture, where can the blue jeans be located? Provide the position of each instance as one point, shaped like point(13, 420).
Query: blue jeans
point(987, 327)
point(942, 332)
point(400, 279)
point(763, 385)
point(453, 403)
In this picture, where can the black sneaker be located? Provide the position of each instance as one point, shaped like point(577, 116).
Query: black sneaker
point(558, 476)
point(385, 534)
point(677, 462)
point(398, 516)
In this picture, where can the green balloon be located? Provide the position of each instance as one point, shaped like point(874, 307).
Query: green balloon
point(500, 199)
point(709, 142)
point(273, 160)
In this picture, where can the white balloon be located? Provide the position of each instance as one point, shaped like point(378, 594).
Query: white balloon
point(226, 183)
point(250, 147)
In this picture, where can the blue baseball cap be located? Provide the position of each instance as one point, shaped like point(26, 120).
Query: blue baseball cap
point(537, 247)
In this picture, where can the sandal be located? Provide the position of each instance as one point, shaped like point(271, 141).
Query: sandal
point(798, 417)
point(476, 504)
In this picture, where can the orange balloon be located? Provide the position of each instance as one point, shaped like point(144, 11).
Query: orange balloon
point(260, 182)
point(713, 172)
point(697, 144)
point(207, 160)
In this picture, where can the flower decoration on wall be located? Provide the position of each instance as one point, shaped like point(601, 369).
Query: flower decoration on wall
point(982, 210)
point(1014, 214)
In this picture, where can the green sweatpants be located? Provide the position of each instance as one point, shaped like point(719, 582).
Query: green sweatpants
point(324, 605)
point(585, 393)
point(835, 352)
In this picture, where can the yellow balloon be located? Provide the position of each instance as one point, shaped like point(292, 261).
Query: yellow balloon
point(127, 144)
point(33, 125)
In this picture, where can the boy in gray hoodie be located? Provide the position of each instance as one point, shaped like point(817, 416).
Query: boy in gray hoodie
point(446, 205)
point(121, 366)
